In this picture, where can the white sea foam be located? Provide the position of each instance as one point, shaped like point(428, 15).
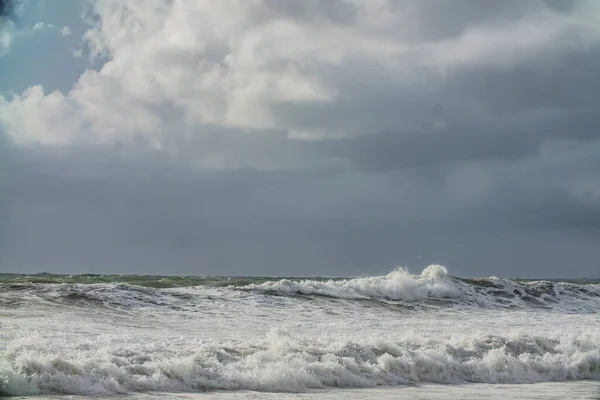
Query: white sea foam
point(113, 338)
point(282, 362)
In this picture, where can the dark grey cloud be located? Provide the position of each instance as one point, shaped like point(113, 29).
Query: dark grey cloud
point(487, 114)
point(489, 169)
point(7, 9)
point(334, 11)
point(432, 20)
point(98, 212)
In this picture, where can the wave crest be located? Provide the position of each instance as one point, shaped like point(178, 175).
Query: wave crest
point(434, 286)
point(434, 281)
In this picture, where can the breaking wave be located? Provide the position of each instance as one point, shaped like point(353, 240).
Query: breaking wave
point(434, 287)
point(105, 335)
point(281, 362)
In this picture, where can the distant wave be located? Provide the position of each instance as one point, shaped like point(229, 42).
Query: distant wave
point(282, 363)
point(162, 282)
point(153, 281)
point(433, 287)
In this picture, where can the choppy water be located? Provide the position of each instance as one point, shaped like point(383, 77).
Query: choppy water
point(108, 335)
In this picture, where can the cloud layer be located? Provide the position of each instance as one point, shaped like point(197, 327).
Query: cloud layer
point(312, 70)
point(344, 134)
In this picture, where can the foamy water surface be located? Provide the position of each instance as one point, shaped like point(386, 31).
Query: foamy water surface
point(372, 336)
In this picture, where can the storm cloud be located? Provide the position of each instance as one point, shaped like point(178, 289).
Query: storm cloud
point(313, 138)
point(7, 8)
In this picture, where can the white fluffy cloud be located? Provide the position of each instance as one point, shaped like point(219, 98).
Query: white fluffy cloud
point(185, 69)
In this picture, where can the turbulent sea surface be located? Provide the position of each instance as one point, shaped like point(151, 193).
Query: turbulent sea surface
point(108, 335)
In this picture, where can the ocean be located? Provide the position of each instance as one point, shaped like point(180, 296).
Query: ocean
point(429, 335)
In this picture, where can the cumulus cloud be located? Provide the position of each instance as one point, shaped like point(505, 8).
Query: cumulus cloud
point(313, 70)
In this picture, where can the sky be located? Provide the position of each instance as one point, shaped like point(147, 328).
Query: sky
point(299, 138)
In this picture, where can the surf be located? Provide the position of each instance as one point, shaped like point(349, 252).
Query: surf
point(282, 362)
point(433, 287)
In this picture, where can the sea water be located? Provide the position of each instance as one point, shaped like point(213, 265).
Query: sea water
point(429, 335)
